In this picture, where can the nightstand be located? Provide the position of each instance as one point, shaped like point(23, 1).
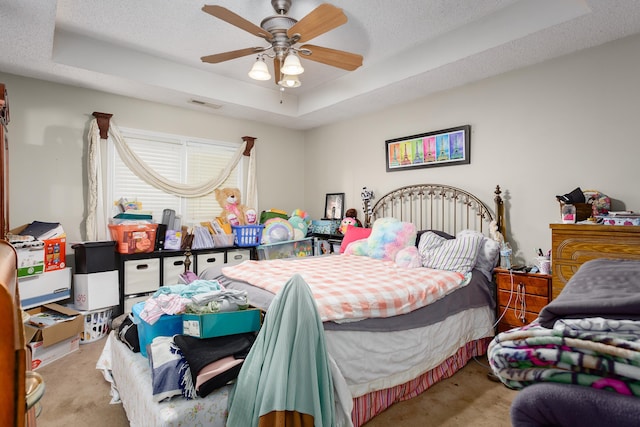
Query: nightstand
point(531, 292)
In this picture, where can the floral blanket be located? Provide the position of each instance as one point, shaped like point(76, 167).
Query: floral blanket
point(348, 288)
point(593, 352)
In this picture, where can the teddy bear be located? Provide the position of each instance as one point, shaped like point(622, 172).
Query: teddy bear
point(232, 210)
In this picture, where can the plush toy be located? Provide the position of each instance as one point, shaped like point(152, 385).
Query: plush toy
point(350, 218)
point(300, 221)
point(387, 238)
point(232, 210)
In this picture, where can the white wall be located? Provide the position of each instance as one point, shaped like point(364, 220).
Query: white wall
point(536, 132)
point(48, 139)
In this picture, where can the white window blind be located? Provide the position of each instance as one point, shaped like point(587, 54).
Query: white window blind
point(178, 158)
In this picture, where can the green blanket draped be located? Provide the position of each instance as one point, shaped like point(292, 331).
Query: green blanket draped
point(287, 368)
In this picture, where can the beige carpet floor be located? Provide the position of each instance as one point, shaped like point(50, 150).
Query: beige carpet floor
point(76, 394)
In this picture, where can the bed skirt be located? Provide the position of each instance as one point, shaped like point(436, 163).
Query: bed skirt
point(369, 405)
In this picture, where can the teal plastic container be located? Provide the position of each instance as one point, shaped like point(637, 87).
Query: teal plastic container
point(165, 326)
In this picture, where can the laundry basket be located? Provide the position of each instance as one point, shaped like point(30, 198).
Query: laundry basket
point(247, 235)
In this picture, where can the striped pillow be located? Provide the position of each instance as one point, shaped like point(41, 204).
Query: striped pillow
point(457, 254)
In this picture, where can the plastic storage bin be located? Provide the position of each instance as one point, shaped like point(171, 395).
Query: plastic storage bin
point(247, 235)
point(95, 257)
point(165, 326)
point(134, 238)
point(288, 249)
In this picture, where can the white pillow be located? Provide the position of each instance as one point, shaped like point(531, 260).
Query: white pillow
point(457, 254)
point(487, 255)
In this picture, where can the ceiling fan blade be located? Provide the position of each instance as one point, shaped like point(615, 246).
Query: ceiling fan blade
point(323, 18)
point(225, 56)
point(237, 20)
point(336, 58)
point(276, 69)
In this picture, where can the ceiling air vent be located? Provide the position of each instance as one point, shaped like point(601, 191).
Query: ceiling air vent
point(205, 104)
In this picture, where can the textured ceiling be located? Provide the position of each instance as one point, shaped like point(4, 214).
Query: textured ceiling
point(151, 49)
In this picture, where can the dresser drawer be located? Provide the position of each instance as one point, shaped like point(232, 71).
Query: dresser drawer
point(141, 275)
point(511, 318)
point(532, 285)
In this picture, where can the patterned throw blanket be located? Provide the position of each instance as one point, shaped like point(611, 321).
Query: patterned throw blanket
point(348, 288)
point(592, 352)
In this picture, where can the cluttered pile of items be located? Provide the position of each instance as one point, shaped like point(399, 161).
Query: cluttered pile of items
point(592, 206)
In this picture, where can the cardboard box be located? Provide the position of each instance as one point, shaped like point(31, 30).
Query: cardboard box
point(621, 221)
point(95, 290)
point(58, 332)
point(42, 355)
point(44, 288)
point(221, 324)
point(30, 257)
point(55, 252)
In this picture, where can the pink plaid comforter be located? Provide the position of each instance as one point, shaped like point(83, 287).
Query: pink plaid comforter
point(353, 287)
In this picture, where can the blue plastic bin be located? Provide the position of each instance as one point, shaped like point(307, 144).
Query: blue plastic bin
point(165, 326)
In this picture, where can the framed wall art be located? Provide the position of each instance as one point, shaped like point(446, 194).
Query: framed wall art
point(334, 206)
point(440, 148)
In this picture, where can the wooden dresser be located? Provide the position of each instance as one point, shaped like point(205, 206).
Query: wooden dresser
point(521, 296)
point(574, 244)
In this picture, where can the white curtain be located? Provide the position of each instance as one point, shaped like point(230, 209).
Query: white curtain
point(97, 210)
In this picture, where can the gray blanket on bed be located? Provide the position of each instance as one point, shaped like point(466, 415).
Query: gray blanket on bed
point(601, 287)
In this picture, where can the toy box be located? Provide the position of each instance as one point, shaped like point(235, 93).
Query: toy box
point(288, 249)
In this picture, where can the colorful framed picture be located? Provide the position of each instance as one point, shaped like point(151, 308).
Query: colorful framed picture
point(440, 148)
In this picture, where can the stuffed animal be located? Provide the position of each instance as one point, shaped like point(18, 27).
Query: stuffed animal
point(300, 222)
point(350, 218)
point(232, 210)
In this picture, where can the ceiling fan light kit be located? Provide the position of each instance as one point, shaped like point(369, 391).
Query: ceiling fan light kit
point(292, 65)
point(283, 33)
point(260, 71)
point(290, 81)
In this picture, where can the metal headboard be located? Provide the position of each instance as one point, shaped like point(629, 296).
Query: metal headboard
point(440, 207)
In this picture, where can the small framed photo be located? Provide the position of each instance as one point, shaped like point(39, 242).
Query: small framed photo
point(440, 148)
point(334, 206)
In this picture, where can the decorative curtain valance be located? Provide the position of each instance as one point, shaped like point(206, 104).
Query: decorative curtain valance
point(102, 128)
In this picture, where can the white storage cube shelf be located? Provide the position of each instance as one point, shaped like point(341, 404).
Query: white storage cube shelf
point(237, 256)
point(172, 268)
point(141, 276)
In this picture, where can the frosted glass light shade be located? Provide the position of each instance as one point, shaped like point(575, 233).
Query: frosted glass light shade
point(289, 81)
point(292, 65)
point(259, 71)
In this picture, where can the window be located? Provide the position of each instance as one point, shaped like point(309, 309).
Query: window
point(178, 158)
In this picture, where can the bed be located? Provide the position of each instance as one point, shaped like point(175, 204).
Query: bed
point(377, 361)
point(579, 362)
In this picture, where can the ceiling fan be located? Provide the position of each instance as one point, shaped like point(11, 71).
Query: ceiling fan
point(283, 34)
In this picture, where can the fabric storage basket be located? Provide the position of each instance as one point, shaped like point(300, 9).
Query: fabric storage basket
point(247, 235)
